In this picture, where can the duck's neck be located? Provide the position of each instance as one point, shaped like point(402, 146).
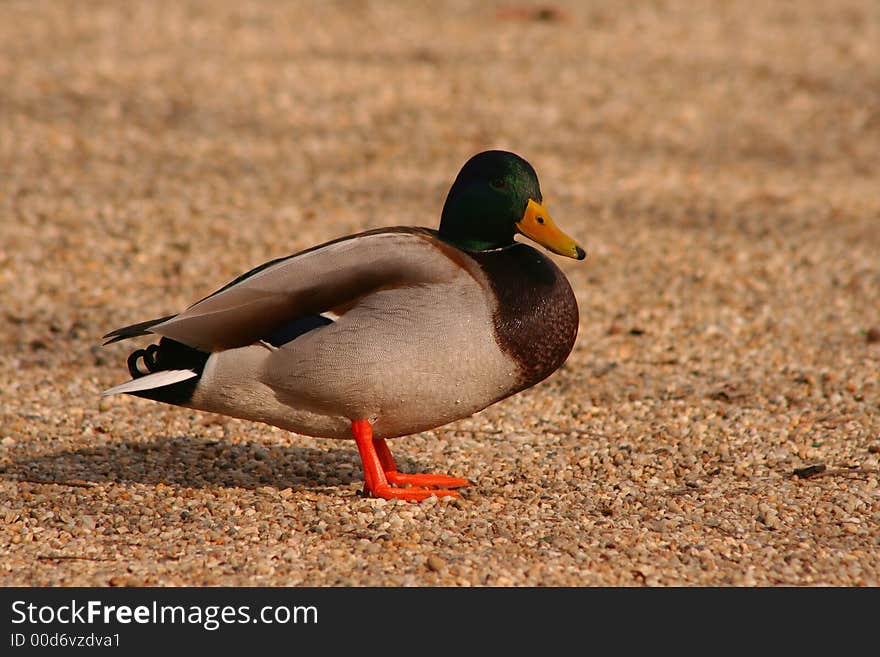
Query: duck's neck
point(475, 236)
point(475, 246)
point(473, 230)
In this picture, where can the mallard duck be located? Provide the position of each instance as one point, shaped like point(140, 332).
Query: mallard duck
point(383, 333)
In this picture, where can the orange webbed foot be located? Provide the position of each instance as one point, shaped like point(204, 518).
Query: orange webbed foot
point(429, 480)
point(412, 494)
point(382, 479)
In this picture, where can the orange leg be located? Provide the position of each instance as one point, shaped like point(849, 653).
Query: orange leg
point(380, 471)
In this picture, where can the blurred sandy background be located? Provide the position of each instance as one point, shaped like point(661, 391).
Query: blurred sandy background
point(719, 420)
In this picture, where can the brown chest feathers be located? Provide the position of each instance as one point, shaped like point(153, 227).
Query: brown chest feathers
point(537, 318)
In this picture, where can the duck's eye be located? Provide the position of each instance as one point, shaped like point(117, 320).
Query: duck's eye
point(540, 220)
point(500, 183)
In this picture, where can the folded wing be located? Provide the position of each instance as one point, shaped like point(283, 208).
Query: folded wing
point(331, 277)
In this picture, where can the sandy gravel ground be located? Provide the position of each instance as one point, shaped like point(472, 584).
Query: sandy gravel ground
point(718, 422)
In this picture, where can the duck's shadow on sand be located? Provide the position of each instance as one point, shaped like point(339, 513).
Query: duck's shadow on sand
point(197, 463)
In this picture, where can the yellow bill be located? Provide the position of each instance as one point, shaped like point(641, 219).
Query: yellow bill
point(537, 225)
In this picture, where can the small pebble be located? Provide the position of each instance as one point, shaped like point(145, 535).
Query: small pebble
point(435, 563)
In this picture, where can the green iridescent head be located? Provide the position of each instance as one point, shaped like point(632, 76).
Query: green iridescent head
point(495, 196)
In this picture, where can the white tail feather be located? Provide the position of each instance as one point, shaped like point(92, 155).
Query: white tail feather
point(150, 381)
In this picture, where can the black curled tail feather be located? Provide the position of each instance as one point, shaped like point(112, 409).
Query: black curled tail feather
point(148, 356)
point(168, 355)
